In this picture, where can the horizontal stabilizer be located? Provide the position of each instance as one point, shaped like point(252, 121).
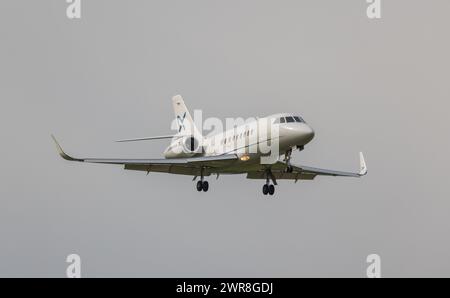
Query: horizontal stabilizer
point(151, 138)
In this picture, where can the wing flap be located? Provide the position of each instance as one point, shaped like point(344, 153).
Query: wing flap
point(325, 172)
point(282, 175)
point(171, 169)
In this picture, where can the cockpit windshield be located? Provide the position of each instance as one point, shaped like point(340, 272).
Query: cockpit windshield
point(289, 119)
point(299, 119)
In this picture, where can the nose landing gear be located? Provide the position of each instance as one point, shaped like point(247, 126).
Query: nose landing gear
point(287, 159)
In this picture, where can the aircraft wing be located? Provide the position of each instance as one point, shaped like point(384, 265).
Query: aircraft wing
point(301, 172)
point(186, 166)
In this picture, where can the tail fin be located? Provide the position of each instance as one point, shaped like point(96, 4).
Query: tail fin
point(184, 121)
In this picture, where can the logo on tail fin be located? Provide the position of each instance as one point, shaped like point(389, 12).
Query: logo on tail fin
point(180, 121)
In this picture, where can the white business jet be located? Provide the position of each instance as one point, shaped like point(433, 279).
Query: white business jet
point(235, 151)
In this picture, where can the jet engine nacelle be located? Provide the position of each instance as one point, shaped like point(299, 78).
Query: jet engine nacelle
point(188, 146)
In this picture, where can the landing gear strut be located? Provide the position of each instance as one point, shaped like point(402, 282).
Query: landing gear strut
point(287, 158)
point(269, 188)
point(201, 184)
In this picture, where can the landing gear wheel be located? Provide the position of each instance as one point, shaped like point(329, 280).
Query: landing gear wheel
point(199, 185)
point(271, 189)
point(265, 189)
point(205, 186)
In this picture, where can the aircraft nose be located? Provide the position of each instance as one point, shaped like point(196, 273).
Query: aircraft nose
point(297, 133)
point(309, 132)
point(306, 133)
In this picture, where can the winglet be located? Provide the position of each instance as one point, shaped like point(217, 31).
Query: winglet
point(62, 153)
point(362, 165)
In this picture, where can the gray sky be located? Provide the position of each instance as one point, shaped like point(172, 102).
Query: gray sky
point(377, 86)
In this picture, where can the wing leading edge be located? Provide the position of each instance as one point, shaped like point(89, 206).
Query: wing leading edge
point(325, 172)
point(215, 164)
point(301, 172)
point(147, 164)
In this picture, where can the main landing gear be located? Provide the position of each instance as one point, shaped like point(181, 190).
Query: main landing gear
point(201, 184)
point(269, 188)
